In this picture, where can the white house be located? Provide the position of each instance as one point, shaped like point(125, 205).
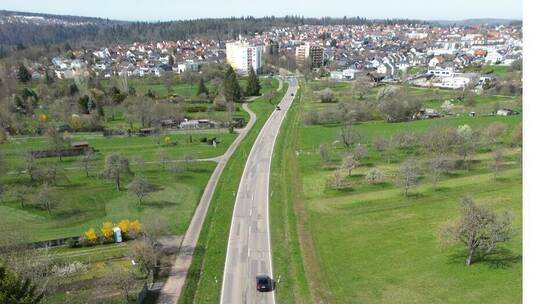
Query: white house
point(440, 72)
point(494, 57)
point(455, 82)
point(337, 75)
point(350, 73)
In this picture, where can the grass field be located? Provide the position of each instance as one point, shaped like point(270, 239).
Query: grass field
point(372, 244)
point(205, 274)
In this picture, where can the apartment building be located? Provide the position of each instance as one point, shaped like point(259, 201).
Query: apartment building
point(242, 56)
point(316, 53)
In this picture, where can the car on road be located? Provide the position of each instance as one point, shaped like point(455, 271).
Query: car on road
point(292, 94)
point(264, 283)
point(278, 108)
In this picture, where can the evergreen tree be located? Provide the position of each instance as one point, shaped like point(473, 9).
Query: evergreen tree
point(253, 85)
point(16, 290)
point(23, 74)
point(202, 88)
point(231, 87)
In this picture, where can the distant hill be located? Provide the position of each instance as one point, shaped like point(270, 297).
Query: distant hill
point(19, 30)
point(482, 21)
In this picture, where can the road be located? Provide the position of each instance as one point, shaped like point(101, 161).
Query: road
point(170, 293)
point(249, 251)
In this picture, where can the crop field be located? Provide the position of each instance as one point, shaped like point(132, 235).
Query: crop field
point(369, 243)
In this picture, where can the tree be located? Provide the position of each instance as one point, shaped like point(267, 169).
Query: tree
point(23, 75)
point(270, 95)
point(374, 176)
point(46, 198)
point(494, 131)
point(360, 152)
point(517, 134)
point(399, 107)
point(86, 160)
point(231, 87)
point(14, 290)
point(146, 257)
point(116, 165)
point(202, 88)
point(30, 166)
point(439, 166)
point(349, 136)
point(51, 173)
point(162, 156)
point(498, 161)
point(140, 187)
point(123, 279)
point(327, 95)
point(467, 143)
point(57, 141)
point(408, 175)
point(19, 193)
point(349, 163)
point(253, 85)
point(479, 228)
point(335, 181)
point(325, 154)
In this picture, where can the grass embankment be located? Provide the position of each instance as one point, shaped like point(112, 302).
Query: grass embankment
point(203, 284)
point(285, 202)
point(375, 245)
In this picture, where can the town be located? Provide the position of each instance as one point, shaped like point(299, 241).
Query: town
point(261, 159)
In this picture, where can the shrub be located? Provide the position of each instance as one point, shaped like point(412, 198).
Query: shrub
point(91, 235)
point(107, 231)
point(124, 226)
point(134, 228)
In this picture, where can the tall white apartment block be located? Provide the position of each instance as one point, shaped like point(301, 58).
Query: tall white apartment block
point(242, 55)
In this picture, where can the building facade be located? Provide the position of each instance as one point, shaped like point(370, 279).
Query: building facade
point(242, 56)
point(313, 52)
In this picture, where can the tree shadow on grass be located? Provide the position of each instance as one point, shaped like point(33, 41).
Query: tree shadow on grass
point(499, 258)
point(159, 204)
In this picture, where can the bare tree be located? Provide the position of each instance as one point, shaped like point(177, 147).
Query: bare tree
point(374, 176)
point(52, 172)
point(154, 226)
point(349, 136)
point(360, 152)
point(19, 193)
point(87, 159)
point(146, 256)
point(30, 166)
point(498, 161)
point(46, 198)
point(140, 187)
point(188, 161)
point(438, 166)
point(123, 279)
point(479, 228)
point(408, 175)
point(324, 153)
point(349, 163)
point(494, 132)
point(162, 156)
point(116, 165)
point(335, 181)
point(327, 95)
point(57, 141)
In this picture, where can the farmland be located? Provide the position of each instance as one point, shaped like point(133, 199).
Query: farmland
point(370, 243)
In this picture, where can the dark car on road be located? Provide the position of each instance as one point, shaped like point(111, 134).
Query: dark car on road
point(292, 94)
point(278, 108)
point(264, 283)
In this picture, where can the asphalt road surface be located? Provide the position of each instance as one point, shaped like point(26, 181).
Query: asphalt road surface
point(249, 252)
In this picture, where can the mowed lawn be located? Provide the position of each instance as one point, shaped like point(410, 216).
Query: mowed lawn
point(374, 245)
point(83, 202)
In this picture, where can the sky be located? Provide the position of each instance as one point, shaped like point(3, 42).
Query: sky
point(164, 10)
